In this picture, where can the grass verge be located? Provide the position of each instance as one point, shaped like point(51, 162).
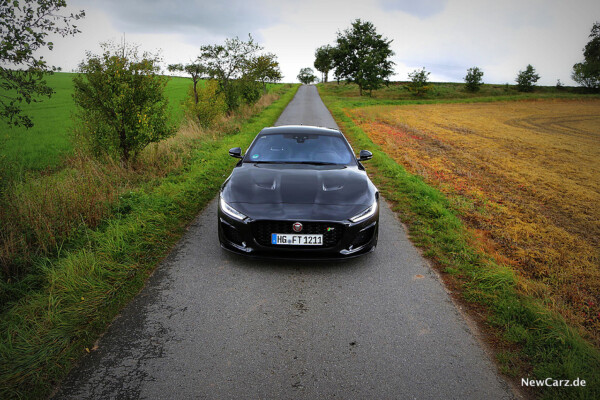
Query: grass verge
point(529, 340)
point(48, 330)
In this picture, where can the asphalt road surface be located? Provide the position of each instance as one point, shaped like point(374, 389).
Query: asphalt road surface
point(213, 325)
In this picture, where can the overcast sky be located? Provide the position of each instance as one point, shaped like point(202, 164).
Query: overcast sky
point(445, 36)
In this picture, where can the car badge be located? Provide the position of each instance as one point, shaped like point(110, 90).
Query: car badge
point(297, 227)
point(330, 229)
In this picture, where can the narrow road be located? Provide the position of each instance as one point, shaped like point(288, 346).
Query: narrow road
point(212, 325)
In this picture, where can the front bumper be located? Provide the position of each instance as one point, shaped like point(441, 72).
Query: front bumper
point(345, 240)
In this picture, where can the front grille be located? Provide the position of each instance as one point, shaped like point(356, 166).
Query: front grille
point(262, 231)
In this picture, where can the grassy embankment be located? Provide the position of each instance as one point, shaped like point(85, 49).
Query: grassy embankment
point(81, 287)
point(504, 214)
point(49, 194)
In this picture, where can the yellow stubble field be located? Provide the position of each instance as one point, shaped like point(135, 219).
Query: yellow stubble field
point(525, 178)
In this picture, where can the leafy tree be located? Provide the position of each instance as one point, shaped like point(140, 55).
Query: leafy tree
point(194, 70)
point(209, 106)
point(362, 56)
point(419, 80)
point(324, 60)
point(473, 79)
point(265, 69)
point(307, 76)
point(121, 101)
point(25, 24)
point(587, 73)
point(527, 79)
point(228, 63)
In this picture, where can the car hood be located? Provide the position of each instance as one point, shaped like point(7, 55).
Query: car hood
point(308, 189)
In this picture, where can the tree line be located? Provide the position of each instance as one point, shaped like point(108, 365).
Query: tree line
point(362, 56)
point(119, 94)
point(241, 73)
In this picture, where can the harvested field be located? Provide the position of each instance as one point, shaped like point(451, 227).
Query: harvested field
point(525, 178)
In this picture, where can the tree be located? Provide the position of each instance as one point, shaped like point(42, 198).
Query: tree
point(265, 69)
point(307, 76)
point(210, 105)
point(587, 73)
point(362, 56)
point(25, 24)
point(419, 79)
point(473, 79)
point(195, 70)
point(121, 102)
point(324, 60)
point(228, 63)
point(526, 79)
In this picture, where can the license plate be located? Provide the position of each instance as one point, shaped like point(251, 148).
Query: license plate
point(297, 240)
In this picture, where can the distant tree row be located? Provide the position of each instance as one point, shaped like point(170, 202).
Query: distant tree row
point(362, 56)
point(419, 83)
point(241, 73)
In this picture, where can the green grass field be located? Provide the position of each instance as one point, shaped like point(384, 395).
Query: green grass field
point(49, 140)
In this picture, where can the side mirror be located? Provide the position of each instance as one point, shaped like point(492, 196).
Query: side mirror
point(365, 155)
point(236, 152)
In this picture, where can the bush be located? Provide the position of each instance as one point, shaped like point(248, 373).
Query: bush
point(473, 80)
point(211, 104)
point(121, 102)
point(250, 90)
point(419, 82)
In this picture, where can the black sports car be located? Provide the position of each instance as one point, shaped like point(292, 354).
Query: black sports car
point(299, 192)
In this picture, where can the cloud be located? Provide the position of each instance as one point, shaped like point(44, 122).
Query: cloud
point(418, 8)
point(190, 18)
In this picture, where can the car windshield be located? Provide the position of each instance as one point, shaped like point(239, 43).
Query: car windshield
point(299, 148)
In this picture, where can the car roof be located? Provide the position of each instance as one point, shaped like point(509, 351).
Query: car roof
point(300, 129)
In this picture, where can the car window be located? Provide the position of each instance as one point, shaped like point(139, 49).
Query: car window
point(301, 148)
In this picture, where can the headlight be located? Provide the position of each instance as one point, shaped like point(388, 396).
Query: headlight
point(232, 212)
point(368, 213)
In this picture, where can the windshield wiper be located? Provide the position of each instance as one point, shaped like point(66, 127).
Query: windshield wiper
point(316, 163)
point(293, 162)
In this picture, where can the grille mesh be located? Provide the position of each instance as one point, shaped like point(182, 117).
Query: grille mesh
point(363, 237)
point(232, 234)
point(262, 231)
